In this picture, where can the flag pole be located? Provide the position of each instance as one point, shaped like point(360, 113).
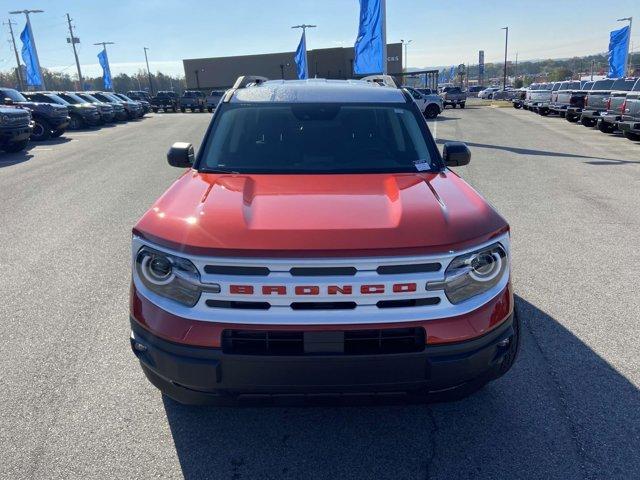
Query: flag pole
point(304, 27)
point(383, 7)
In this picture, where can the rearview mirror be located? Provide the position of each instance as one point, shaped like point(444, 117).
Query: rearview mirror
point(456, 154)
point(181, 155)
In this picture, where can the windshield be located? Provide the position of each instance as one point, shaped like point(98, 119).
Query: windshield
point(317, 138)
point(636, 87)
point(602, 85)
point(623, 85)
point(72, 98)
point(57, 99)
point(556, 86)
point(90, 98)
point(587, 86)
point(14, 95)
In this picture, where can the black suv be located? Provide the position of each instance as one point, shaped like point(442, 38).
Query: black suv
point(50, 119)
point(109, 112)
point(166, 101)
point(15, 128)
point(82, 115)
point(120, 108)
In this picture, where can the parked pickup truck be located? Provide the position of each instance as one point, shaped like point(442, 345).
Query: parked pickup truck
point(81, 115)
point(453, 96)
point(192, 100)
point(213, 99)
point(561, 98)
point(576, 101)
point(388, 272)
point(629, 124)
point(430, 105)
point(50, 119)
point(15, 128)
point(595, 102)
point(538, 98)
point(165, 100)
point(615, 104)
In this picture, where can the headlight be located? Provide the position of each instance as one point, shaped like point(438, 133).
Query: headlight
point(475, 273)
point(171, 277)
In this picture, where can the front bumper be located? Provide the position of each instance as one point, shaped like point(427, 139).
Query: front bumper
point(629, 126)
point(592, 114)
point(15, 134)
point(610, 118)
point(91, 119)
point(200, 375)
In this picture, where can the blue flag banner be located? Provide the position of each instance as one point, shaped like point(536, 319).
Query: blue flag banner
point(369, 47)
point(106, 72)
point(301, 58)
point(30, 58)
point(618, 46)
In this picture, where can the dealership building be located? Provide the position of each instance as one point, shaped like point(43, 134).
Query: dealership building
point(222, 72)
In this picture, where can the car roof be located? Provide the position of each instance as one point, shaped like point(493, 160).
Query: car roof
point(318, 90)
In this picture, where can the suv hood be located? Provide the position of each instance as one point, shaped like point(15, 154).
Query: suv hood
point(325, 214)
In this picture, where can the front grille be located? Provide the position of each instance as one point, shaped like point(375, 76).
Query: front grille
point(349, 342)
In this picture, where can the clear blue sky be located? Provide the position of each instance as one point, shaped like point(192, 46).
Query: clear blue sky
point(443, 32)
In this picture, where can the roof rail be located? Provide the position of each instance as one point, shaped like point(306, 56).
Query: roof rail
point(243, 82)
point(382, 80)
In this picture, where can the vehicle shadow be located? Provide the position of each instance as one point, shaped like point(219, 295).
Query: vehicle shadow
point(561, 412)
point(529, 151)
point(8, 159)
point(441, 118)
point(52, 141)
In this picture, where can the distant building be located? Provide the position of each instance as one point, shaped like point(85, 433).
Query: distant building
point(222, 72)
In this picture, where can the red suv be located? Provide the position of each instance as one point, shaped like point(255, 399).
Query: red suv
point(319, 243)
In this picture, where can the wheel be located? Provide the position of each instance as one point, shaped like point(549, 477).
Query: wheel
point(517, 106)
point(41, 130)
point(209, 109)
point(462, 105)
point(571, 117)
point(76, 122)
point(563, 114)
point(16, 147)
point(543, 111)
point(57, 133)
point(589, 122)
point(632, 136)
point(431, 111)
point(605, 127)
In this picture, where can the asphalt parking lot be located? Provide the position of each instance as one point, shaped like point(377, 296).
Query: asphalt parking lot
point(75, 404)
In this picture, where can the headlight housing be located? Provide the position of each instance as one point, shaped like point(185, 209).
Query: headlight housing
point(475, 273)
point(170, 276)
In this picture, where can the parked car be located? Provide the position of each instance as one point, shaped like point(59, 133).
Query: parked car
point(50, 119)
point(595, 102)
point(474, 90)
point(615, 105)
point(141, 97)
point(427, 91)
point(123, 111)
point(561, 98)
point(453, 96)
point(165, 100)
point(487, 93)
point(356, 169)
point(16, 126)
point(192, 100)
point(109, 112)
point(81, 115)
point(576, 102)
point(629, 124)
point(507, 94)
point(519, 97)
point(136, 107)
point(429, 105)
point(213, 99)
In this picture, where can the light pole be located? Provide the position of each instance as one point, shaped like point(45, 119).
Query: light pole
point(35, 51)
point(146, 59)
point(282, 67)
point(304, 33)
point(197, 72)
point(626, 58)
point(406, 45)
point(506, 43)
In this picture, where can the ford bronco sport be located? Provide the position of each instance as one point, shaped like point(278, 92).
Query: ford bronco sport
point(319, 243)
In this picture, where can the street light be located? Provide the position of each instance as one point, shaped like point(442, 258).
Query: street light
point(406, 45)
point(626, 58)
point(506, 43)
point(282, 67)
point(197, 72)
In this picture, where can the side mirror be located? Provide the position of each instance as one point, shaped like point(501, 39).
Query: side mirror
point(456, 154)
point(8, 101)
point(181, 155)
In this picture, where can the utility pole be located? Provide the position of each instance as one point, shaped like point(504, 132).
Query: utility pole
point(406, 46)
point(506, 43)
point(304, 33)
point(15, 50)
point(626, 58)
point(515, 73)
point(35, 51)
point(146, 59)
point(73, 40)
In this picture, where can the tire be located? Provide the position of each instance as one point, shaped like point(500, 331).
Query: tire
point(606, 127)
point(41, 130)
point(631, 136)
point(570, 117)
point(76, 122)
point(462, 105)
point(209, 109)
point(431, 111)
point(544, 111)
point(517, 106)
point(562, 114)
point(57, 133)
point(16, 147)
point(589, 122)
